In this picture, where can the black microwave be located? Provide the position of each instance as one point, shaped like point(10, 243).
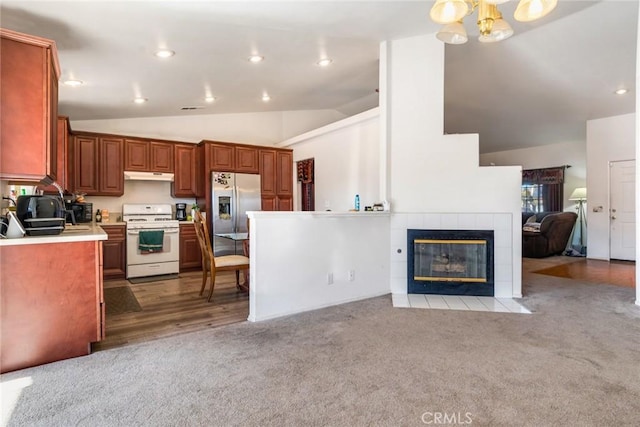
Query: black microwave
point(82, 212)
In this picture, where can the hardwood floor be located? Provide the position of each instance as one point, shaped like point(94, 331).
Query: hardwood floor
point(172, 307)
point(618, 273)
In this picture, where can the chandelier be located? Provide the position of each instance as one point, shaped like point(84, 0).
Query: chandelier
point(490, 23)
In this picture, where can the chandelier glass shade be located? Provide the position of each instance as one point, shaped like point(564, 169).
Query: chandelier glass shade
point(490, 23)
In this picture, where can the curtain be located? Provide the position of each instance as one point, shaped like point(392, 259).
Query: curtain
point(551, 182)
point(305, 177)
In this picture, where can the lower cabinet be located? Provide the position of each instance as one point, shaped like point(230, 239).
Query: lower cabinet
point(56, 302)
point(114, 252)
point(190, 254)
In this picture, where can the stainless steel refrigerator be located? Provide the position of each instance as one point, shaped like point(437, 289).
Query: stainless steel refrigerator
point(232, 195)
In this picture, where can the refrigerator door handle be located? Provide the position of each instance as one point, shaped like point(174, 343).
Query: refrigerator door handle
point(234, 208)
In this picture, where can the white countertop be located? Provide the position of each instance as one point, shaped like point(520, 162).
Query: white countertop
point(78, 233)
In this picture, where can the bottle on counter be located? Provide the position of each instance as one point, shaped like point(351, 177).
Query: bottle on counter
point(357, 202)
point(98, 216)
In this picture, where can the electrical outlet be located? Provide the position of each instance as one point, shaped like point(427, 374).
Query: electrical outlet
point(352, 275)
point(330, 279)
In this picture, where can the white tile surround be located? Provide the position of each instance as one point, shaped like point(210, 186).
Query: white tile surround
point(458, 302)
point(500, 223)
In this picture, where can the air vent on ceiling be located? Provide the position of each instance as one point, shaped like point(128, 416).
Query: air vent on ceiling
point(191, 108)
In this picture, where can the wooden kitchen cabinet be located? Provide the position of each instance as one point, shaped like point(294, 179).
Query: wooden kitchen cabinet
point(247, 160)
point(185, 176)
point(54, 312)
point(114, 252)
point(148, 156)
point(136, 155)
point(98, 165)
point(161, 157)
point(284, 174)
point(62, 156)
point(111, 167)
point(85, 164)
point(190, 254)
point(222, 157)
point(29, 72)
point(276, 180)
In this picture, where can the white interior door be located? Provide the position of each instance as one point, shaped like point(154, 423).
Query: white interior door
point(622, 214)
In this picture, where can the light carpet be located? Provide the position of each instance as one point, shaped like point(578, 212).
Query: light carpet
point(574, 361)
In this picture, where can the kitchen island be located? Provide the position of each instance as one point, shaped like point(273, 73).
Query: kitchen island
point(51, 299)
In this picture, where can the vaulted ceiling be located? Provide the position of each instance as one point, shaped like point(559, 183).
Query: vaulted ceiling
point(538, 87)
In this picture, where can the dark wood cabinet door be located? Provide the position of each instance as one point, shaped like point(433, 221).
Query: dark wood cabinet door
point(161, 157)
point(222, 158)
point(85, 164)
point(136, 155)
point(284, 176)
point(268, 173)
point(285, 203)
point(269, 203)
point(184, 181)
point(114, 253)
point(247, 160)
point(111, 167)
point(62, 157)
point(190, 254)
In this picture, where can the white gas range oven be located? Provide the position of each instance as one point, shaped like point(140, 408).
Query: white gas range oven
point(151, 217)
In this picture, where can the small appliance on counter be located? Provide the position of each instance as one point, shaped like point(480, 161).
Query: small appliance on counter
point(41, 215)
point(82, 212)
point(181, 211)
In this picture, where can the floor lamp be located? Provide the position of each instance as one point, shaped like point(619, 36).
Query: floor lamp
point(579, 235)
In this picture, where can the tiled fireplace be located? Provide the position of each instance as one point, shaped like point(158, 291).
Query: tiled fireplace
point(505, 255)
point(450, 262)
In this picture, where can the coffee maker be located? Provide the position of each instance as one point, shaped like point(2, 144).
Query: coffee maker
point(181, 211)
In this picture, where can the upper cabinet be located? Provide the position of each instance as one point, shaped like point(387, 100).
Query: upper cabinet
point(185, 166)
point(247, 159)
point(221, 157)
point(148, 156)
point(229, 157)
point(98, 165)
point(62, 157)
point(29, 74)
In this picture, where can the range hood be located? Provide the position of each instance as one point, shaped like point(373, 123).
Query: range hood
point(147, 176)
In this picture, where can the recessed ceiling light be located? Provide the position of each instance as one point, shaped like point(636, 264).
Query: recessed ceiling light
point(266, 97)
point(140, 100)
point(256, 58)
point(621, 91)
point(325, 62)
point(165, 53)
point(210, 98)
point(73, 83)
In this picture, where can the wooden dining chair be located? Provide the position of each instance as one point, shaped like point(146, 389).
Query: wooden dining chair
point(212, 264)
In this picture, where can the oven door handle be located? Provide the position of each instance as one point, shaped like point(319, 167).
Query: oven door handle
point(169, 231)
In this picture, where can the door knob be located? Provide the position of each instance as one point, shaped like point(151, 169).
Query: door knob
point(613, 210)
point(613, 217)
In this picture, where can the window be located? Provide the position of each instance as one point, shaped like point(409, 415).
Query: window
point(531, 195)
point(542, 189)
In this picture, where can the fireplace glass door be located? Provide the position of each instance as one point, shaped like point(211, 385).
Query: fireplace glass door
point(450, 262)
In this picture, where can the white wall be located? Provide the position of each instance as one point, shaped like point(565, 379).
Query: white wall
point(346, 162)
point(292, 254)
point(608, 139)
point(249, 128)
point(434, 173)
point(546, 156)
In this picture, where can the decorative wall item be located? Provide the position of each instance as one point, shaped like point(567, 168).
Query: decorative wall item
point(305, 177)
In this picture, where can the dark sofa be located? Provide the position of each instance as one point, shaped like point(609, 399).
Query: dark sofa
point(552, 237)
